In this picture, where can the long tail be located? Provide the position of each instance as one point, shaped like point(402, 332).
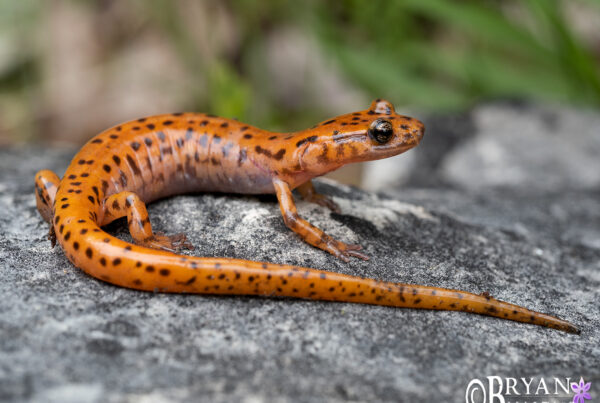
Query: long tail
point(115, 261)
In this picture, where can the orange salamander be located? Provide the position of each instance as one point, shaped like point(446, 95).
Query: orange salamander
point(123, 168)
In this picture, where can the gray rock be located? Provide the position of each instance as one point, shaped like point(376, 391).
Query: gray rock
point(65, 336)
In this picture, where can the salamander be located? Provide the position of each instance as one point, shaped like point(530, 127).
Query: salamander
point(127, 166)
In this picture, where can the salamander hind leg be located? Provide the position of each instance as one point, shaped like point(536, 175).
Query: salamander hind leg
point(308, 192)
point(309, 232)
point(46, 183)
point(130, 205)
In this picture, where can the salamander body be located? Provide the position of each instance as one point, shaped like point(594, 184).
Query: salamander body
point(125, 167)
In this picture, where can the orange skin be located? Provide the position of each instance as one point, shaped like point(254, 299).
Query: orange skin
point(120, 170)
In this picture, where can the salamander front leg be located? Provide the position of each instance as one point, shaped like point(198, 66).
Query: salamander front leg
point(129, 204)
point(46, 183)
point(308, 192)
point(309, 232)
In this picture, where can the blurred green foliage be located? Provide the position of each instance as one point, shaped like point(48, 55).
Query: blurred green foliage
point(434, 54)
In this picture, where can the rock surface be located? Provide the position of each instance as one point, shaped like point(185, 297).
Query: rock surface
point(66, 337)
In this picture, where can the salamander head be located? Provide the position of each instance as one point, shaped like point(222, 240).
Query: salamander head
point(373, 134)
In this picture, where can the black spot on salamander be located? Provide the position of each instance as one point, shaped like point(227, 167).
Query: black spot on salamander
point(261, 150)
point(89, 162)
point(247, 136)
point(116, 159)
point(114, 136)
point(72, 176)
point(136, 128)
point(328, 122)
point(279, 154)
point(91, 199)
point(224, 124)
point(371, 113)
point(148, 142)
point(150, 126)
point(97, 141)
point(141, 120)
point(135, 145)
point(167, 122)
point(133, 165)
point(76, 245)
point(116, 261)
point(204, 123)
point(106, 167)
point(67, 235)
point(272, 137)
point(76, 183)
point(89, 253)
point(81, 162)
point(180, 142)
point(310, 139)
point(150, 269)
point(103, 261)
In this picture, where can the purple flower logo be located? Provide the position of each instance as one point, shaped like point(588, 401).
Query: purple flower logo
point(581, 390)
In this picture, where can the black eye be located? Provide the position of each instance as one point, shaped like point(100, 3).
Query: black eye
point(381, 131)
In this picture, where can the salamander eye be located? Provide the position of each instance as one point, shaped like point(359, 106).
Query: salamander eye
point(381, 131)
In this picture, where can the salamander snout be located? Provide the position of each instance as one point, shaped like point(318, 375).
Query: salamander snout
point(414, 130)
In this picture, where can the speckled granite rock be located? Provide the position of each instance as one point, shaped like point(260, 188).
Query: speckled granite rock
point(66, 337)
